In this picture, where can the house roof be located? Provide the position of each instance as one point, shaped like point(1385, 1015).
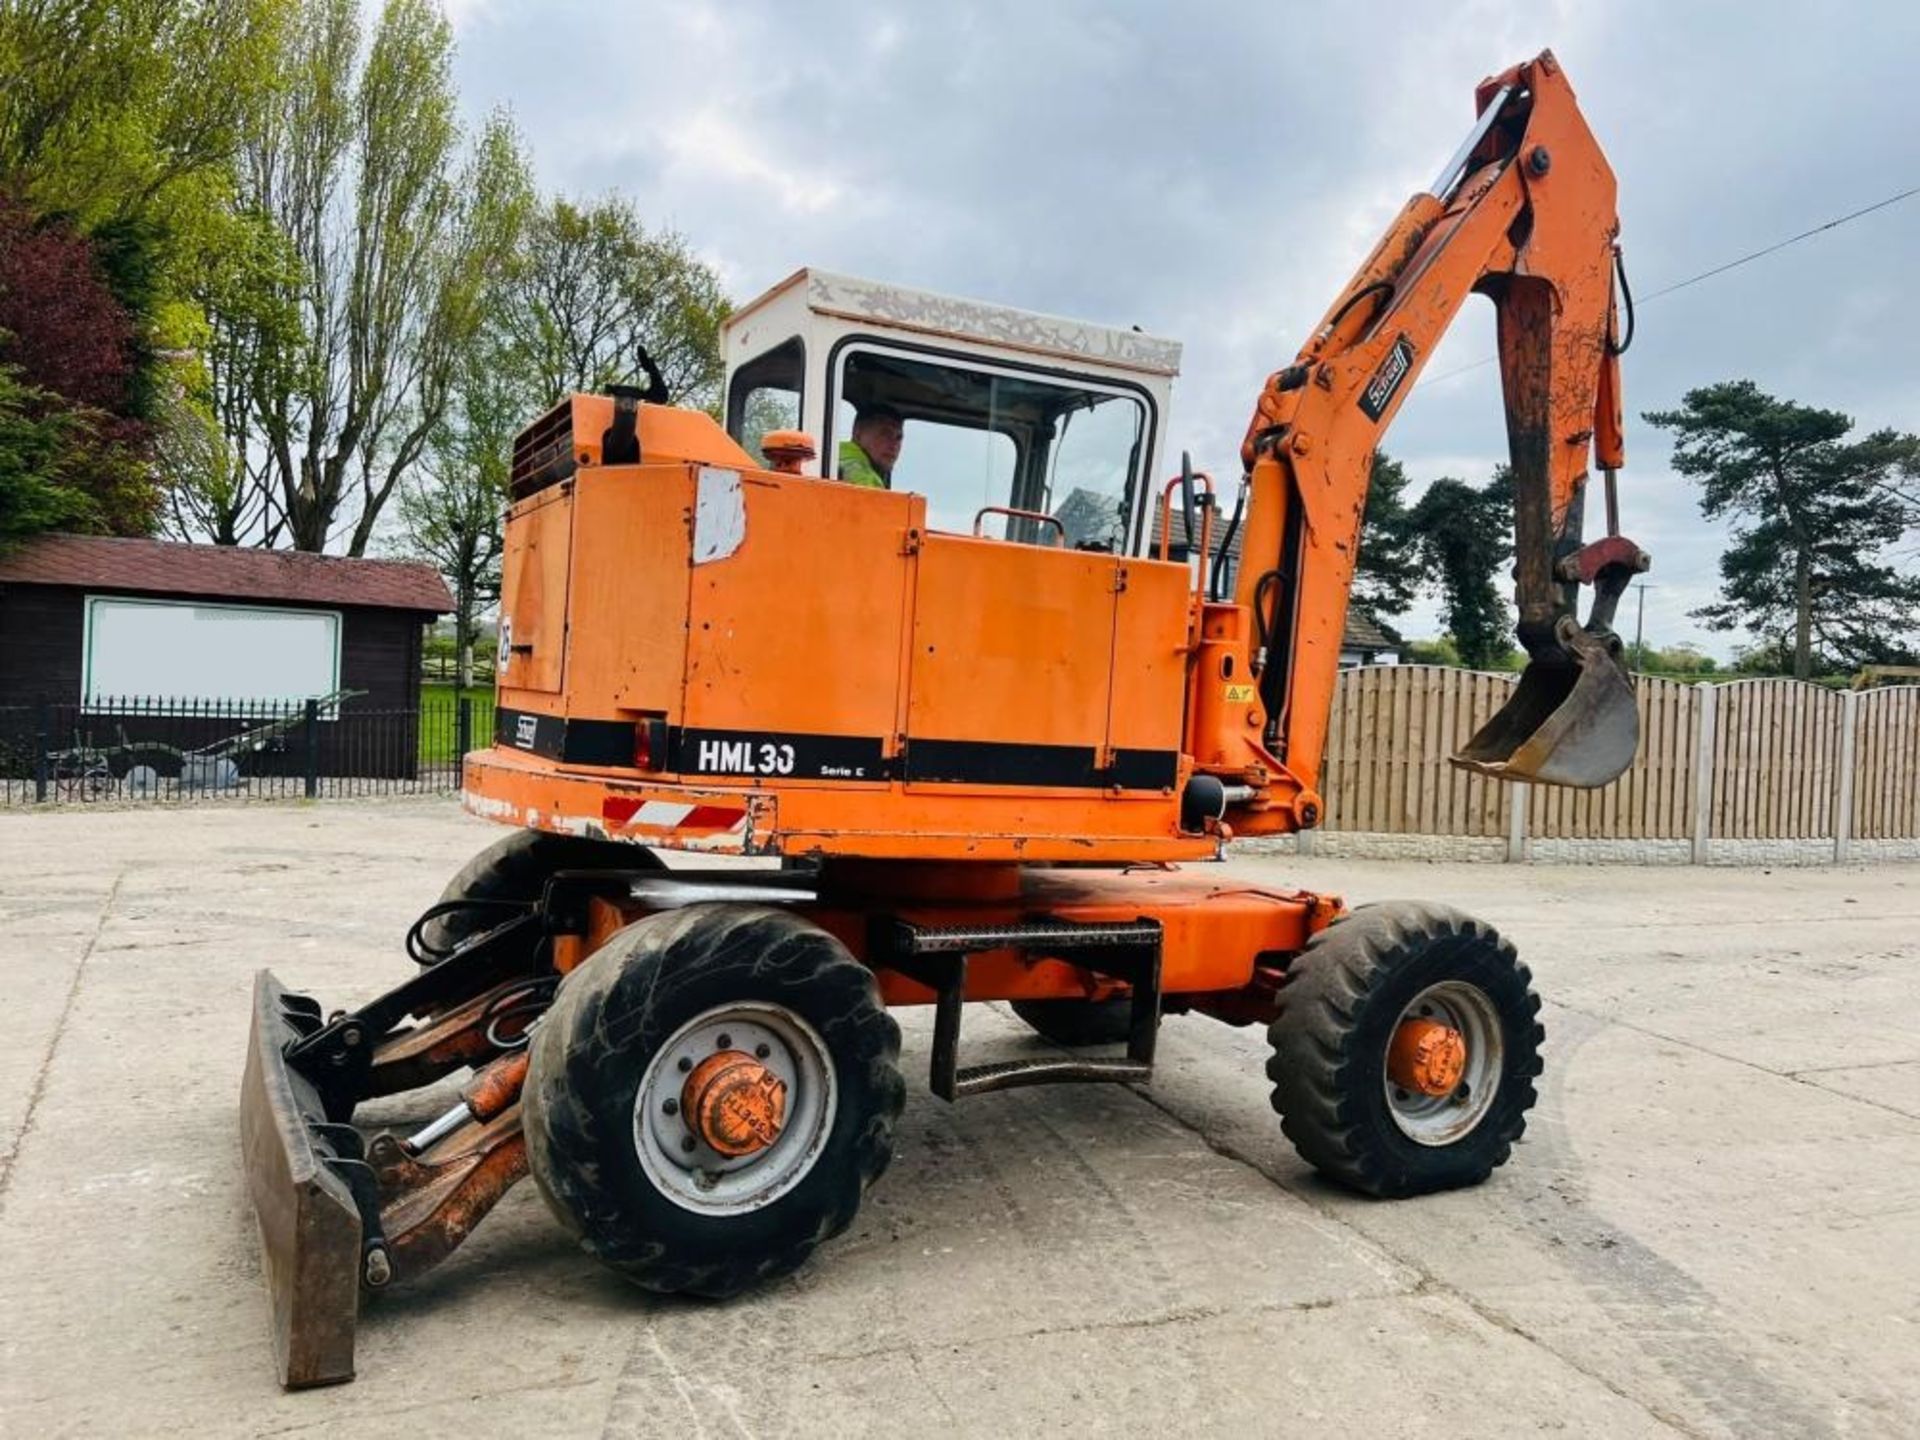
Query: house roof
point(164, 567)
point(1363, 632)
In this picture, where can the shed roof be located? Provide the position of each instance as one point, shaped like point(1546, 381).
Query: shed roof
point(165, 567)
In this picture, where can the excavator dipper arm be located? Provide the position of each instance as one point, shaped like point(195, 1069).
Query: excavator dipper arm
point(1524, 213)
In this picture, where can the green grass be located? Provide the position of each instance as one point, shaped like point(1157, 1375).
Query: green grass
point(438, 700)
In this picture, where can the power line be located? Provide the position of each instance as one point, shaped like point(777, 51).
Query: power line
point(1833, 224)
point(1790, 240)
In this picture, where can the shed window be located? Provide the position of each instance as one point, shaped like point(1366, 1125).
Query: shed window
point(168, 649)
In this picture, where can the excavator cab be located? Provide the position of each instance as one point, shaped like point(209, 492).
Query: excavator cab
point(1018, 427)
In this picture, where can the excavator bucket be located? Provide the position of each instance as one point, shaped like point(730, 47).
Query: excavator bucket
point(310, 1227)
point(1572, 720)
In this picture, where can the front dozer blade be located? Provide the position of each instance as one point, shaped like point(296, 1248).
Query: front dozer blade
point(1572, 720)
point(310, 1231)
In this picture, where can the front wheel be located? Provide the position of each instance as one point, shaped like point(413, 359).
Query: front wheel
point(710, 1096)
point(1405, 1050)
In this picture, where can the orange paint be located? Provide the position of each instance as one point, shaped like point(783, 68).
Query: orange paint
point(1427, 1057)
point(734, 1103)
point(497, 1086)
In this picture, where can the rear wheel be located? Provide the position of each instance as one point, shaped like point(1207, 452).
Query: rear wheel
point(1405, 1050)
point(1079, 1022)
point(710, 1096)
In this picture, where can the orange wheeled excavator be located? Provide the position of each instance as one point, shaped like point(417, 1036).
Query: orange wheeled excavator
point(981, 752)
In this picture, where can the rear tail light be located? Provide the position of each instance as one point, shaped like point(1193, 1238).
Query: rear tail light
point(650, 744)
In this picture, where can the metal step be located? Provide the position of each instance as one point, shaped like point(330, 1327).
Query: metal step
point(936, 956)
point(1011, 1074)
point(1050, 936)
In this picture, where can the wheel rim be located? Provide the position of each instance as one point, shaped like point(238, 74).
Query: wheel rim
point(1468, 1012)
point(767, 1043)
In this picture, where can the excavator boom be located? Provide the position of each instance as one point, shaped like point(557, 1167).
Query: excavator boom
point(1524, 213)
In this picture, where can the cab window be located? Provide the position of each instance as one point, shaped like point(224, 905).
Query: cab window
point(765, 396)
point(979, 435)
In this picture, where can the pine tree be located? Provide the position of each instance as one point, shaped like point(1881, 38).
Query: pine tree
point(1815, 516)
point(1387, 574)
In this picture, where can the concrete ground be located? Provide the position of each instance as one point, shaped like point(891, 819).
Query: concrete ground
point(1712, 1228)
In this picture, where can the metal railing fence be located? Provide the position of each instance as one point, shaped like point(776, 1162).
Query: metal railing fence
point(138, 748)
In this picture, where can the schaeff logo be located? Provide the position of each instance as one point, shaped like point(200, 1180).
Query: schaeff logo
point(1386, 380)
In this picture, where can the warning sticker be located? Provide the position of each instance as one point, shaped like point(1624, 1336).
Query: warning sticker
point(1239, 694)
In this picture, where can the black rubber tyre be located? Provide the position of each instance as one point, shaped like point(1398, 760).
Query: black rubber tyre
point(517, 867)
point(1344, 996)
point(1079, 1022)
point(618, 1009)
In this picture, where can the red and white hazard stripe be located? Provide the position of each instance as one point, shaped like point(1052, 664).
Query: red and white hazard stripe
point(625, 812)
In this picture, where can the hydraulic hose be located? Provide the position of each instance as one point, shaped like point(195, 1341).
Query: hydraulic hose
point(1214, 586)
point(1626, 299)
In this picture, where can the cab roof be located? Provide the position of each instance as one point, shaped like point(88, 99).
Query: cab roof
point(895, 307)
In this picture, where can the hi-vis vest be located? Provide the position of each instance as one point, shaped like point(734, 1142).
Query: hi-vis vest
point(857, 469)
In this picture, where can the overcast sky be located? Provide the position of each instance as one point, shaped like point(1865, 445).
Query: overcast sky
point(1213, 173)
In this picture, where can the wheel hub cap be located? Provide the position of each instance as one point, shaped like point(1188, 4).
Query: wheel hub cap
point(1427, 1057)
point(1443, 1064)
point(734, 1103)
point(735, 1107)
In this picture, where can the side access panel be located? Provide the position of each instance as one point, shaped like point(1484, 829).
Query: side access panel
point(533, 591)
point(632, 540)
point(796, 611)
point(1011, 665)
point(1146, 716)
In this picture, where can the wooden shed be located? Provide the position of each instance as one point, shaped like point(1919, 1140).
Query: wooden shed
point(121, 635)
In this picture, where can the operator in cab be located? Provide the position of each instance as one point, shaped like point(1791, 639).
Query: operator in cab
point(869, 457)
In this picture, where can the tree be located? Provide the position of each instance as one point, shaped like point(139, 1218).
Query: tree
point(119, 120)
point(593, 285)
point(1387, 574)
point(1677, 660)
point(36, 452)
point(451, 507)
point(64, 328)
point(67, 345)
point(121, 109)
point(359, 168)
point(1438, 651)
point(220, 481)
point(1464, 537)
point(1814, 515)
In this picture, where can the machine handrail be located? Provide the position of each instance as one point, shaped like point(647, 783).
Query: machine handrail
point(1040, 515)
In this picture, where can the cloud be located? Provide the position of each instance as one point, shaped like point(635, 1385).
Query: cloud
point(462, 14)
point(708, 148)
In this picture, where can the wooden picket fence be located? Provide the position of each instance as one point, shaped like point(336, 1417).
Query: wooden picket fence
point(1746, 760)
point(1886, 764)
